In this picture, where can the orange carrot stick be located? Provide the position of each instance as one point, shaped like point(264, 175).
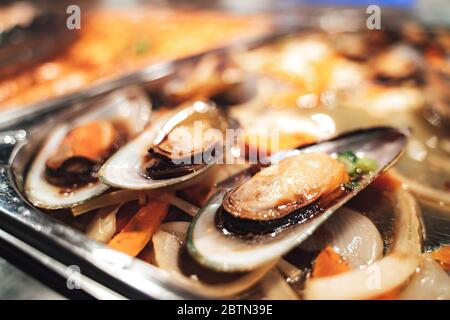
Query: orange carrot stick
point(442, 255)
point(139, 230)
point(328, 263)
point(390, 295)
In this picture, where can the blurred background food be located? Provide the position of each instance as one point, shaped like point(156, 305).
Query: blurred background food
point(111, 42)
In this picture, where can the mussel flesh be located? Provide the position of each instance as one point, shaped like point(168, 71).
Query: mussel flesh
point(295, 182)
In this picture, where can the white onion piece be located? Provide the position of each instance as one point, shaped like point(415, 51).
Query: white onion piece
point(176, 228)
point(103, 225)
point(173, 200)
point(352, 235)
point(289, 270)
point(121, 196)
point(386, 274)
point(167, 247)
point(105, 200)
point(275, 287)
point(434, 197)
point(430, 283)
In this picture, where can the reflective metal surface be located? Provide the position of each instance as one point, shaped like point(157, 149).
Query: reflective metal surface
point(16, 285)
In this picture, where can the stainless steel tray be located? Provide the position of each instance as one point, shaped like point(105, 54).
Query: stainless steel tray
point(104, 273)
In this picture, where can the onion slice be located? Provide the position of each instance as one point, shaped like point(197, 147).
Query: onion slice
point(103, 226)
point(275, 287)
point(430, 283)
point(291, 272)
point(431, 196)
point(121, 196)
point(167, 247)
point(385, 274)
point(352, 235)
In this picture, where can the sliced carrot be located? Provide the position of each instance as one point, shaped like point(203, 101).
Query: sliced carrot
point(329, 263)
point(139, 230)
point(390, 295)
point(442, 255)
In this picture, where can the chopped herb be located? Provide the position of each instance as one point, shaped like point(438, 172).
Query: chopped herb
point(141, 47)
point(365, 165)
point(348, 159)
point(357, 167)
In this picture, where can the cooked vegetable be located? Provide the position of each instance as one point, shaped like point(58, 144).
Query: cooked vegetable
point(352, 235)
point(442, 255)
point(291, 272)
point(103, 225)
point(167, 248)
point(138, 232)
point(356, 166)
point(385, 274)
point(122, 196)
point(275, 287)
point(430, 283)
point(434, 197)
point(329, 263)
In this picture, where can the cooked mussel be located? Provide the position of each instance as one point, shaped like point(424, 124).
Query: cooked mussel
point(261, 219)
point(280, 189)
point(183, 150)
point(65, 170)
point(398, 63)
point(177, 147)
point(82, 151)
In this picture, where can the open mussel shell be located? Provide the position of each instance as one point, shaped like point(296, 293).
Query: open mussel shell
point(128, 168)
point(219, 249)
point(128, 107)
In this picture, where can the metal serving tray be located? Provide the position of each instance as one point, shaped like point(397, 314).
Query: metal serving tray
point(104, 273)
